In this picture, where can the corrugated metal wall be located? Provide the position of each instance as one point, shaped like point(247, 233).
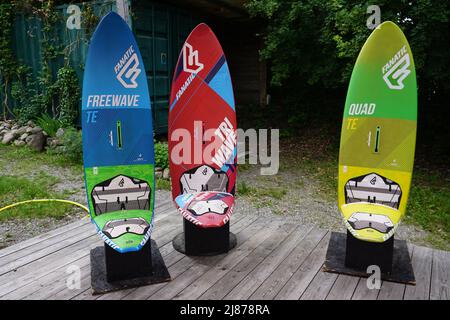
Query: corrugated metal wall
point(160, 32)
point(28, 37)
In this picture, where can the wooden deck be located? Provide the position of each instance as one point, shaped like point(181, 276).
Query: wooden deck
point(275, 258)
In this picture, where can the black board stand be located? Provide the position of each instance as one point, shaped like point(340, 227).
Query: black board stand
point(198, 241)
point(348, 255)
point(361, 254)
point(122, 266)
point(112, 270)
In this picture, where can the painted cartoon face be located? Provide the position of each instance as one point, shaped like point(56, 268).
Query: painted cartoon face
point(116, 228)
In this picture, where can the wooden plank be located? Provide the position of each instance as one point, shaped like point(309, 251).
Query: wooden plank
point(32, 273)
point(83, 295)
point(170, 257)
point(143, 292)
point(300, 280)
point(59, 234)
point(56, 233)
point(421, 260)
point(55, 282)
point(278, 265)
point(274, 283)
point(391, 291)
point(362, 292)
point(178, 263)
point(42, 248)
point(440, 279)
point(48, 264)
point(320, 286)
point(239, 285)
point(169, 262)
point(66, 294)
point(256, 234)
point(343, 288)
point(165, 237)
point(17, 265)
point(237, 268)
point(163, 234)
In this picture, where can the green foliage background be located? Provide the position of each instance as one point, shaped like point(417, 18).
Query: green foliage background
point(320, 40)
point(33, 95)
point(312, 45)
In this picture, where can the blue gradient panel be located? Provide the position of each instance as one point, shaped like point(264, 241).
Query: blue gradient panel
point(107, 54)
point(221, 83)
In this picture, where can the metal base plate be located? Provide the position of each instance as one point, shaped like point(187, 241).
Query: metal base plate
point(99, 281)
point(402, 270)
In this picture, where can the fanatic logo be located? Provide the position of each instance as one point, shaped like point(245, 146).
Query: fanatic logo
point(127, 69)
point(396, 70)
point(190, 59)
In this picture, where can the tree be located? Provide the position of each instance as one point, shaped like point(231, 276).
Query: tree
point(312, 46)
point(318, 41)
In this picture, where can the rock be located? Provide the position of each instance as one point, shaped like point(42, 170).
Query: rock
point(45, 134)
point(19, 143)
point(9, 137)
point(28, 139)
point(59, 133)
point(23, 136)
point(30, 123)
point(53, 142)
point(7, 125)
point(37, 142)
point(21, 131)
point(36, 129)
point(29, 129)
point(158, 174)
point(166, 173)
point(15, 127)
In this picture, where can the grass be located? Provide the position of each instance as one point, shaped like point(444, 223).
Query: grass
point(429, 206)
point(26, 160)
point(244, 167)
point(260, 196)
point(162, 184)
point(270, 192)
point(25, 181)
point(15, 189)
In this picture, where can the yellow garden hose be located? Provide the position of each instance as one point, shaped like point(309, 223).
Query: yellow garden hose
point(45, 200)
